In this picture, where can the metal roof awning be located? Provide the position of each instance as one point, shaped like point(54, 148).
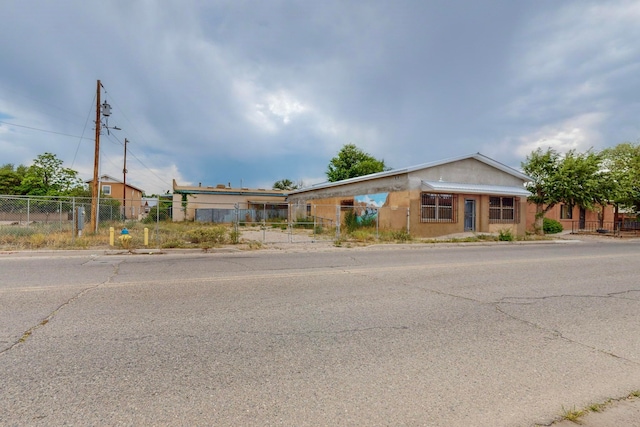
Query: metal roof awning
point(455, 187)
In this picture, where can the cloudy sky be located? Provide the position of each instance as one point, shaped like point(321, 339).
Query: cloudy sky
point(251, 92)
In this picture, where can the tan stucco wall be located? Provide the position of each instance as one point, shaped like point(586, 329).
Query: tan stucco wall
point(405, 191)
point(465, 171)
point(394, 215)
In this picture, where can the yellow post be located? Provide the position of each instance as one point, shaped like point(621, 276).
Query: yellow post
point(146, 236)
point(111, 236)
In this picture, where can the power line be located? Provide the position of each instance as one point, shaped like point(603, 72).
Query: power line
point(43, 130)
point(83, 129)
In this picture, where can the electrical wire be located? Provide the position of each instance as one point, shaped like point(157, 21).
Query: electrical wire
point(42, 130)
point(83, 129)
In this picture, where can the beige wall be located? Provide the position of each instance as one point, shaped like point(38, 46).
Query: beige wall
point(394, 216)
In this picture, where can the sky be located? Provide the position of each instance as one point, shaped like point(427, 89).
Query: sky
point(247, 93)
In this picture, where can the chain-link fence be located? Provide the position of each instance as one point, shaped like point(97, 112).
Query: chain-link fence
point(264, 222)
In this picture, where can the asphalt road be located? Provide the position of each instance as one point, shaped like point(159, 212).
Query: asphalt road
point(476, 335)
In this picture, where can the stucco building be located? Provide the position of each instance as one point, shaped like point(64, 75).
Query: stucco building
point(468, 193)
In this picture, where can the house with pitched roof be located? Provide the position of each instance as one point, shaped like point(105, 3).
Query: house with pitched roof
point(471, 193)
point(129, 196)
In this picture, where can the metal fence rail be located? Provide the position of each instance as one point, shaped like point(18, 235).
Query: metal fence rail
point(258, 221)
point(624, 227)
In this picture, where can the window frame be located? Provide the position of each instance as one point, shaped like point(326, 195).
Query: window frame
point(443, 209)
point(105, 187)
point(504, 213)
point(566, 211)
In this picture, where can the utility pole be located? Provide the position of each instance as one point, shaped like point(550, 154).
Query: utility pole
point(96, 162)
point(124, 181)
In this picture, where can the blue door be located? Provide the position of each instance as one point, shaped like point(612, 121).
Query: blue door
point(470, 215)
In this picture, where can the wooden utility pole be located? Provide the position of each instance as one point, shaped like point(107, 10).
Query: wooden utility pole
point(124, 181)
point(95, 185)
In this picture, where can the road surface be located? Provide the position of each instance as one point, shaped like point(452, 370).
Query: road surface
point(417, 335)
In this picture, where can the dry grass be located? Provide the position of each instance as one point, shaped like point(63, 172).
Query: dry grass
point(166, 234)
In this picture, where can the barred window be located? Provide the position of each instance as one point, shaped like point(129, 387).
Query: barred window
point(438, 207)
point(566, 212)
point(503, 210)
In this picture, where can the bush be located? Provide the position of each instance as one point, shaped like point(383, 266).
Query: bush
point(505, 235)
point(215, 235)
point(350, 221)
point(551, 226)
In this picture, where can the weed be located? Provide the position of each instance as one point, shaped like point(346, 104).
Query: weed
point(254, 244)
point(572, 415)
point(401, 236)
point(234, 236)
point(596, 407)
point(173, 244)
point(505, 235)
point(363, 235)
point(212, 235)
point(37, 240)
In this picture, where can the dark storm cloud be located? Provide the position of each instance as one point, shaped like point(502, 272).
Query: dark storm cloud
point(224, 91)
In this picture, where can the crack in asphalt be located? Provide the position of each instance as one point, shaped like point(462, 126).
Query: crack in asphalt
point(320, 332)
point(560, 335)
point(555, 332)
point(27, 334)
point(532, 300)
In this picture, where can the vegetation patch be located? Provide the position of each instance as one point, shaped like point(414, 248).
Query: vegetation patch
point(551, 226)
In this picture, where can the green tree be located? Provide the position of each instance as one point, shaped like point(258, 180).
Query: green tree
point(352, 162)
point(285, 184)
point(11, 178)
point(47, 177)
point(576, 179)
point(622, 164)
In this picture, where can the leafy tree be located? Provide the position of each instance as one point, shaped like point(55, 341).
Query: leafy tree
point(622, 164)
point(47, 177)
point(543, 169)
point(11, 178)
point(285, 184)
point(352, 162)
point(576, 179)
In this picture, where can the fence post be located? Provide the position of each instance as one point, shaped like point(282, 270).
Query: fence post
point(73, 220)
point(28, 210)
point(377, 223)
point(337, 222)
point(408, 220)
point(158, 221)
point(315, 220)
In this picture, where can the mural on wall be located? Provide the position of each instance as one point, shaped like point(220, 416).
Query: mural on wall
point(366, 206)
